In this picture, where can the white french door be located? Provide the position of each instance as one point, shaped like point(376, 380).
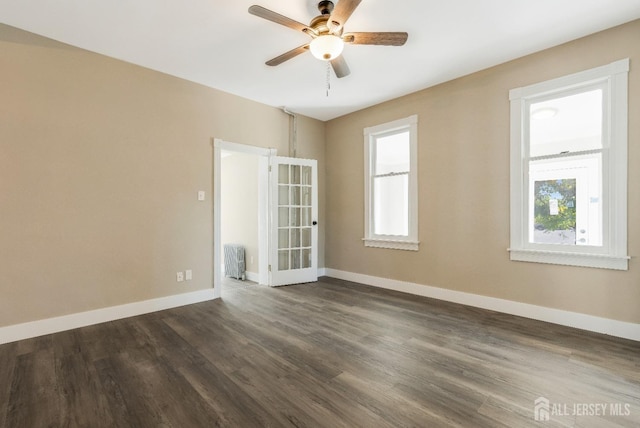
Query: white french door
point(293, 253)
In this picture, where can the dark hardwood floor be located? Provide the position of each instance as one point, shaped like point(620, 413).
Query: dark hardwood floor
point(327, 354)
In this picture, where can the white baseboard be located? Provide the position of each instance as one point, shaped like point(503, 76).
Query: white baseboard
point(252, 276)
point(322, 271)
point(608, 326)
point(67, 322)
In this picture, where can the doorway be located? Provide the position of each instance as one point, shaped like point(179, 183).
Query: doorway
point(256, 234)
point(287, 237)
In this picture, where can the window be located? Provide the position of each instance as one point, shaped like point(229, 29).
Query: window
point(391, 185)
point(569, 169)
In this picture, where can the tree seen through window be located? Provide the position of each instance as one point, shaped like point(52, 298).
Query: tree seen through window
point(555, 211)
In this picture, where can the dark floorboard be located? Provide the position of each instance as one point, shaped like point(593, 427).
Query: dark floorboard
point(326, 354)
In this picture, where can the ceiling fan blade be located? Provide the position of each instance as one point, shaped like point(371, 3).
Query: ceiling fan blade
point(340, 67)
point(272, 16)
point(288, 55)
point(388, 39)
point(341, 13)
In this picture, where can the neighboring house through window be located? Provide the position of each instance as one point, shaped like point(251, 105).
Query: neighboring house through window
point(391, 185)
point(569, 169)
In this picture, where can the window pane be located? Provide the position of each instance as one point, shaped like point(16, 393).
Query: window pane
point(306, 258)
point(283, 217)
point(392, 153)
point(566, 201)
point(305, 237)
point(295, 217)
point(566, 124)
point(283, 238)
point(305, 196)
point(555, 212)
point(391, 205)
point(295, 238)
point(295, 195)
point(295, 259)
point(295, 174)
point(283, 195)
point(306, 175)
point(283, 174)
point(305, 220)
point(283, 260)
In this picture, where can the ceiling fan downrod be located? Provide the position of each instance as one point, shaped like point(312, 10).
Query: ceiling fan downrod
point(325, 7)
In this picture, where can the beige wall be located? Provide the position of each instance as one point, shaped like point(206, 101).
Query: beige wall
point(239, 205)
point(464, 188)
point(100, 164)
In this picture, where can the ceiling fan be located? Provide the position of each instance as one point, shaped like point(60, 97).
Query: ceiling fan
point(327, 32)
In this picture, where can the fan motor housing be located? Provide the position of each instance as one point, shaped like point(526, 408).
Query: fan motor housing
point(319, 23)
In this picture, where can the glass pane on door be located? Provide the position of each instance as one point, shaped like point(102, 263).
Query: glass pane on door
point(283, 174)
point(283, 260)
point(294, 217)
point(306, 258)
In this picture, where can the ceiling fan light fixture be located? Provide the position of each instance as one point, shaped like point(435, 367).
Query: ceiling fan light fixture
point(326, 47)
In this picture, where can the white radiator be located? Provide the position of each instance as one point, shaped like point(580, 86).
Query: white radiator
point(234, 265)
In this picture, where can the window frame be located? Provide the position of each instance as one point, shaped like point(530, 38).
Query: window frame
point(613, 253)
point(409, 242)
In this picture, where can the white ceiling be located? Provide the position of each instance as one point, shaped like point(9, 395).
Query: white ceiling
point(219, 44)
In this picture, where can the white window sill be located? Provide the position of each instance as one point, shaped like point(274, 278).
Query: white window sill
point(391, 244)
point(571, 259)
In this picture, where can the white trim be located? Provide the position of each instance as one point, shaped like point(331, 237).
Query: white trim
point(241, 148)
point(618, 178)
point(31, 329)
point(263, 219)
point(596, 324)
point(392, 244)
point(322, 272)
point(252, 276)
point(393, 125)
point(602, 261)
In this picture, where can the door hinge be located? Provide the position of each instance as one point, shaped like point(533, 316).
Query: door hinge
point(269, 268)
point(269, 168)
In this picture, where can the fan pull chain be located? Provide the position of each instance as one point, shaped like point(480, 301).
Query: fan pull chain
point(328, 77)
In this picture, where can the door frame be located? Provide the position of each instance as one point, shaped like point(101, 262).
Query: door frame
point(263, 208)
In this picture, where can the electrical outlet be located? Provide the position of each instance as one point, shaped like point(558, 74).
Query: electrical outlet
point(188, 274)
point(201, 195)
point(180, 276)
